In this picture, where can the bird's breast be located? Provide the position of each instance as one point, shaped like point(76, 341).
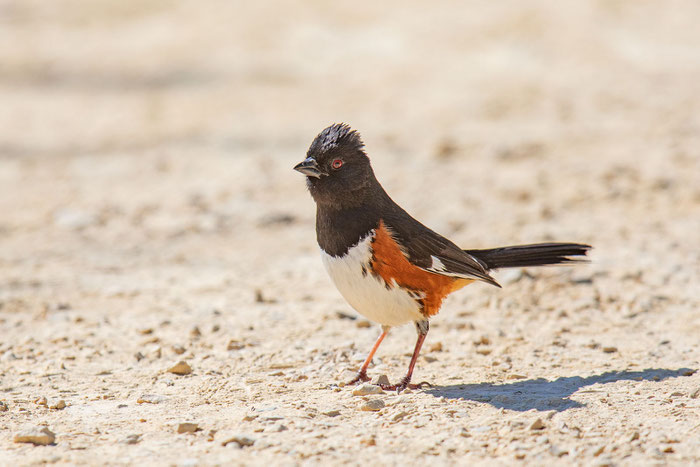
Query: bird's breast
point(378, 281)
point(369, 294)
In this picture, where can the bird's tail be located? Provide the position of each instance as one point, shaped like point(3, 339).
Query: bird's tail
point(540, 254)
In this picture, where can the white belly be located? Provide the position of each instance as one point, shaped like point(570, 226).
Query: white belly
point(366, 293)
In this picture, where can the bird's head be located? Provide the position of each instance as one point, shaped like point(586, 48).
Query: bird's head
point(337, 168)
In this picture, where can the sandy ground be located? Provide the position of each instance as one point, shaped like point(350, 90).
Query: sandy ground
point(149, 215)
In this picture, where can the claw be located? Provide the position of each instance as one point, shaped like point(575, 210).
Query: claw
point(403, 385)
point(360, 378)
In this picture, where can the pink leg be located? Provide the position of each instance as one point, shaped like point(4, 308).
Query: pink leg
point(362, 375)
point(422, 328)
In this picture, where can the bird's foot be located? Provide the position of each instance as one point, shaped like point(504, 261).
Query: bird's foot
point(360, 378)
point(404, 384)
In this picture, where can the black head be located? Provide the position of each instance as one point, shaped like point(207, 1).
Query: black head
point(337, 168)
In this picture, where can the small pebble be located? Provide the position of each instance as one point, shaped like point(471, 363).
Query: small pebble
point(181, 368)
point(371, 441)
point(150, 399)
point(240, 440)
point(381, 379)
point(399, 416)
point(3, 407)
point(343, 315)
point(373, 405)
point(132, 439)
point(156, 353)
point(39, 436)
point(537, 425)
point(610, 349)
point(178, 349)
point(483, 340)
point(233, 344)
point(363, 323)
point(332, 413)
point(60, 405)
point(260, 298)
point(187, 427)
point(41, 401)
point(367, 389)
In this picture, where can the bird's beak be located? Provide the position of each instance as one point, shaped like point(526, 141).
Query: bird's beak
point(309, 167)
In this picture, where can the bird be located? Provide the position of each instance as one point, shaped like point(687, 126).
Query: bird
point(388, 266)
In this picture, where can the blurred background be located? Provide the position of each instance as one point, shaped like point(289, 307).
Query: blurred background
point(148, 205)
point(133, 127)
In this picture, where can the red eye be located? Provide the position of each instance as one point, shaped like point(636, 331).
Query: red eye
point(338, 163)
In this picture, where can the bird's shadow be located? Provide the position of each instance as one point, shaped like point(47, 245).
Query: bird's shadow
point(543, 395)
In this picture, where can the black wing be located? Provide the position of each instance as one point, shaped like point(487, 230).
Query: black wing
point(433, 252)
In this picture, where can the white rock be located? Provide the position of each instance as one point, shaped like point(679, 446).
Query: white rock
point(381, 379)
point(150, 399)
point(187, 427)
point(367, 389)
point(132, 439)
point(181, 368)
point(373, 405)
point(60, 405)
point(39, 436)
point(537, 425)
point(240, 440)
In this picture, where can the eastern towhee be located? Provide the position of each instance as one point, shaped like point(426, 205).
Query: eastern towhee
point(388, 266)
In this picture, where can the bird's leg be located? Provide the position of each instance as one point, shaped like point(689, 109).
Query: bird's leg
point(362, 374)
point(422, 328)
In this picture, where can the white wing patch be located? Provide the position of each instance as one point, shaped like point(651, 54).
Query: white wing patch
point(436, 265)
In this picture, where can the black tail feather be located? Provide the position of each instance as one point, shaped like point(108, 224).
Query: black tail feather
point(540, 254)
